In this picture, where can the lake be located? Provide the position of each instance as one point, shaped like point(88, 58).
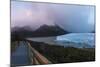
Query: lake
point(72, 39)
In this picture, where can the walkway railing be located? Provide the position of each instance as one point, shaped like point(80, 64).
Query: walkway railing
point(36, 57)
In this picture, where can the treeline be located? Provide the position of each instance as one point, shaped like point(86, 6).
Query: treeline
point(59, 54)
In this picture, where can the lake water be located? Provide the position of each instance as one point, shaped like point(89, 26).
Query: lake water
point(72, 39)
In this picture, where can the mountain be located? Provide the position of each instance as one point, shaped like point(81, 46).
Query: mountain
point(46, 30)
point(42, 31)
point(21, 28)
point(20, 32)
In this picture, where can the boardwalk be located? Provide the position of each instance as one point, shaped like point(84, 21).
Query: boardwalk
point(27, 55)
point(38, 58)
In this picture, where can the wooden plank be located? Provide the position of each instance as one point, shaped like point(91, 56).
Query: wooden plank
point(35, 61)
point(39, 57)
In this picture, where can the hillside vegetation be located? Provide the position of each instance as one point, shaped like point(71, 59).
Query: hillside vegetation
point(59, 54)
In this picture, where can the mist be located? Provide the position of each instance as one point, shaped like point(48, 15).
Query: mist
point(72, 18)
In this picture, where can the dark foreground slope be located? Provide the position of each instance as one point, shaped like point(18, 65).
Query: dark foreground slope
point(59, 54)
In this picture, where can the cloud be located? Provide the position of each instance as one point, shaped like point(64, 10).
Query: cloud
point(26, 13)
point(72, 18)
point(75, 18)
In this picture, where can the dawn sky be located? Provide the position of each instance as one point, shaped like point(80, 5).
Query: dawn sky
point(72, 18)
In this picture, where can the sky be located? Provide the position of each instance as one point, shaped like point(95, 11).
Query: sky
point(72, 18)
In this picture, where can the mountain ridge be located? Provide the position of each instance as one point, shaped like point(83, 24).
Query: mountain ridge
point(42, 31)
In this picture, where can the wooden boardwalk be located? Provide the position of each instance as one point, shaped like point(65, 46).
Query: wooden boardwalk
point(38, 58)
point(27, 55)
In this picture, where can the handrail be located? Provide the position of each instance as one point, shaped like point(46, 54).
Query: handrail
point(37, 57)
